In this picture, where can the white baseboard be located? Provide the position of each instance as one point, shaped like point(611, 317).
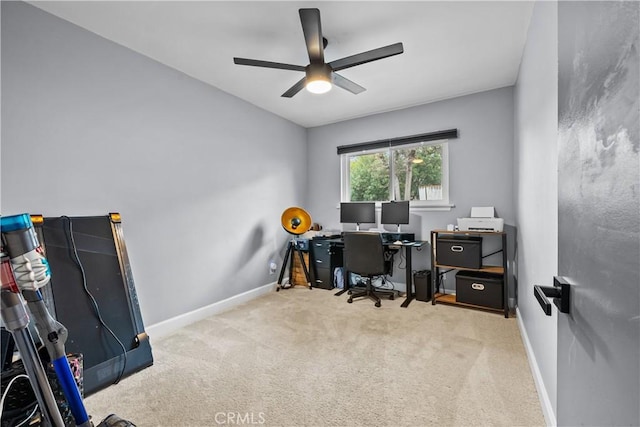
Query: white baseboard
point(545, 402)
point(168, 326)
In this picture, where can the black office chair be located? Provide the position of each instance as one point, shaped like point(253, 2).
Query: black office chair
point(364, 254)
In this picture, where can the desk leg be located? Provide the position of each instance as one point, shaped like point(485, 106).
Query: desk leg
point(409, 279)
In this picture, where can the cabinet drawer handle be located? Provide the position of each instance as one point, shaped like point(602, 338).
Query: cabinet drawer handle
point(457, 248)
point(477, 286)
point(319, 261)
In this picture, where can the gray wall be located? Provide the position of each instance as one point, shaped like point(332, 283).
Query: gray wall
point(536, 195)
point(200, 177)
point(599, 212)
point(481, 159)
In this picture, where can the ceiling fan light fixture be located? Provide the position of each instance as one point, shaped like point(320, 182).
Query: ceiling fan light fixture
point(318, 78)
point(318, 86)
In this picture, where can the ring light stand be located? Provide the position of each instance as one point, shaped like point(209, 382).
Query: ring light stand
point(295, 221)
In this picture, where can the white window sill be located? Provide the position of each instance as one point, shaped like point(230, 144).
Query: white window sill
point(443, 207)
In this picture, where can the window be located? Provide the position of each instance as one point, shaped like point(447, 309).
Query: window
point(418, 172)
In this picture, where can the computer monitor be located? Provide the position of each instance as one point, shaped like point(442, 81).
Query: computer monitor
point(357, 213)
point(395, 213)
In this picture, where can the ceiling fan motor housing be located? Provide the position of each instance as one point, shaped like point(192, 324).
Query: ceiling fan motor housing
point(319, 72)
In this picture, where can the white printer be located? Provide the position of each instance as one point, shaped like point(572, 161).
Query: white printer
point(482, 219)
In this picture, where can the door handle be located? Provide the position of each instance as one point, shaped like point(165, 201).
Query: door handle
point(560, 292)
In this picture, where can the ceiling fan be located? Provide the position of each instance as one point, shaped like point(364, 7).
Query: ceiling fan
point(320, 75)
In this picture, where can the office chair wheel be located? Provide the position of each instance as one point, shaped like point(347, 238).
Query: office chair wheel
point(350, 300)
point(349, 292)
point(377, 303)
point(392, 297)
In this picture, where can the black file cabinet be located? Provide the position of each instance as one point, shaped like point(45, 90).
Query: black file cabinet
point(326, 255)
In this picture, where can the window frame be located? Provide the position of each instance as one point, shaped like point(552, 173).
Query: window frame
point(345, 184)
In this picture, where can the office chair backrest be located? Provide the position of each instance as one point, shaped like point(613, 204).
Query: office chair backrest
point(364, 253)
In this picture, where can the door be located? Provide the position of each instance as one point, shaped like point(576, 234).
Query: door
point(599, 212)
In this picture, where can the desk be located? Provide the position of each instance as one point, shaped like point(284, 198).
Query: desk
point(407, 246)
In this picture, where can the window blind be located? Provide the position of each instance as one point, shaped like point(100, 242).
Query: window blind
point(393, 142)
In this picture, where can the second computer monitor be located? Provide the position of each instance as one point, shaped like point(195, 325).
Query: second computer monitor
point(395, 213)
point(357, 213)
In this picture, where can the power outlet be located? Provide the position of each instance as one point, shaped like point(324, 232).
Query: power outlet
point(272, 267)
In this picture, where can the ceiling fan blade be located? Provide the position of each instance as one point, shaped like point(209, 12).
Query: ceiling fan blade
point(295, 88)
point(347, 84)
point(267, 64)
point(310, 19)
point(364, 57)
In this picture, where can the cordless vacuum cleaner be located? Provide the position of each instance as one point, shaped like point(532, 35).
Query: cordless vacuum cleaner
point(24, 271)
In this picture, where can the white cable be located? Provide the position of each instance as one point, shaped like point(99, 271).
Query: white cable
point(6, 392)
point(28, 416)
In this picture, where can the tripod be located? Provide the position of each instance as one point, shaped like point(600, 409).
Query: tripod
point(290, 248)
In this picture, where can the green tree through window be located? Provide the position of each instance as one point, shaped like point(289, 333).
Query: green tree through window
point(400, 173)
point(415, 168)
point(369, 177)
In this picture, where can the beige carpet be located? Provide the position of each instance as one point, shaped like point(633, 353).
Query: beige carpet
point(303, 357)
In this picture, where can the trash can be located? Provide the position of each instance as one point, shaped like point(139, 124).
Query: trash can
point(422, 283)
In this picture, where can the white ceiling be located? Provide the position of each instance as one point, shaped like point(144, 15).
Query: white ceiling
point(451, 48)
